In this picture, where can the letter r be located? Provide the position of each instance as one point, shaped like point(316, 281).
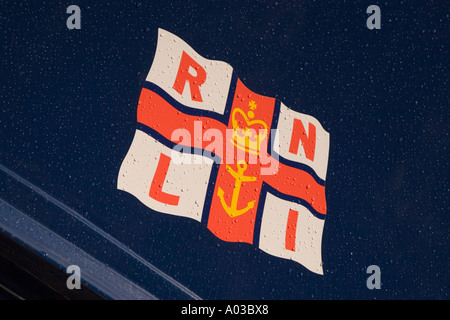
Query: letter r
point(184, 75)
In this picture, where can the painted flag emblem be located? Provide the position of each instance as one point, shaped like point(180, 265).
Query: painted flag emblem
point(244, 165)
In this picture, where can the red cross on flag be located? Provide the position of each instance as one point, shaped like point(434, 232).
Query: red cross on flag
point(244, 165)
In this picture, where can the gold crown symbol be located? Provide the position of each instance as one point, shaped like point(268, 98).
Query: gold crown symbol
point(248, 134)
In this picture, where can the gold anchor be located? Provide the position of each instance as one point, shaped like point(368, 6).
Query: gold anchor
point(239, 176)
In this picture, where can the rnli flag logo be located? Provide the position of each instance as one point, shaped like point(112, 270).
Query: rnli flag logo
point(244, 165)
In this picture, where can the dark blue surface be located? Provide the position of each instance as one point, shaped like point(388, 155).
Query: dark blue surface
point(69, 101)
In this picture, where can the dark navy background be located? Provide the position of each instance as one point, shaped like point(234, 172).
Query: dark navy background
point(68, 116)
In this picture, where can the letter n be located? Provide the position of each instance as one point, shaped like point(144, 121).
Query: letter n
point(308, 140)
point(184, 75)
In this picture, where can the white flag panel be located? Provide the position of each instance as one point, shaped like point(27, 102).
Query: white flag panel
point(307, 236)
point(187, 181)
point(285, 139)
point(165, 67)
